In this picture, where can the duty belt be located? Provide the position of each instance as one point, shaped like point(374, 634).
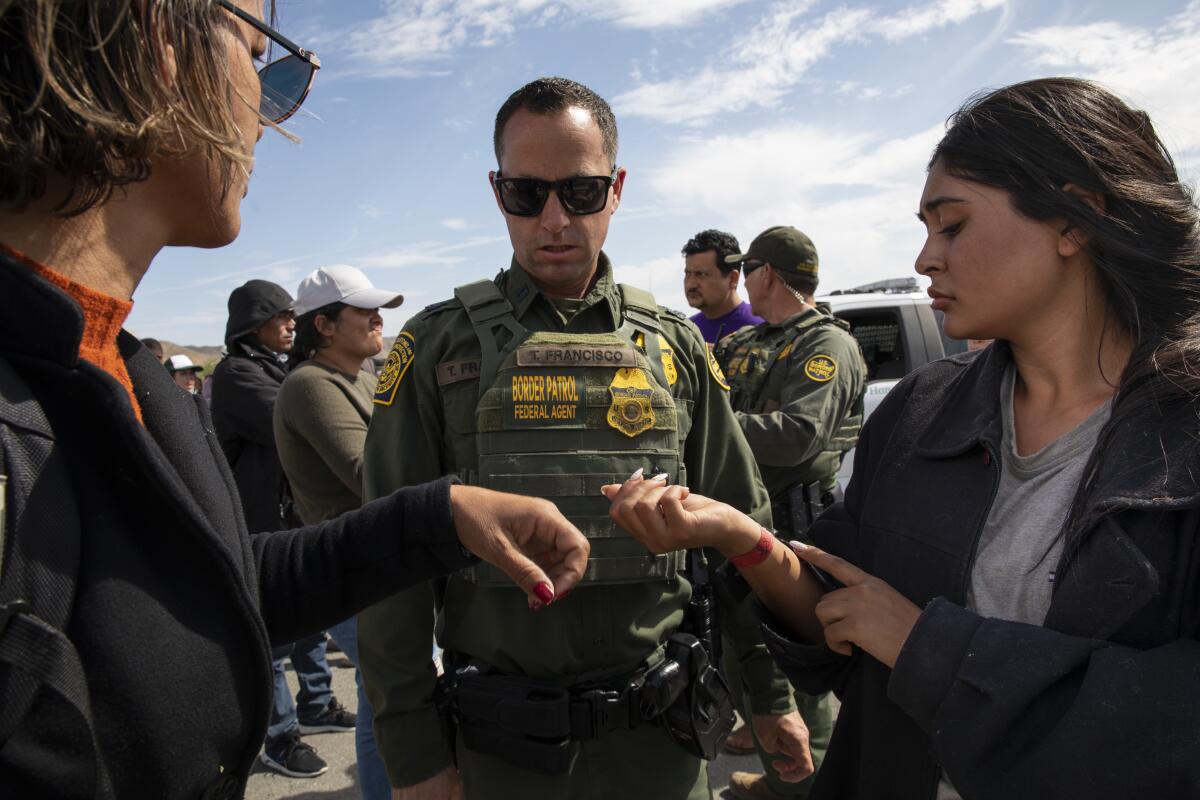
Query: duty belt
point(532, 723)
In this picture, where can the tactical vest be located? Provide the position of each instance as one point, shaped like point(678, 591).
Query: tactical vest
point(748, 358)
point(562, 414)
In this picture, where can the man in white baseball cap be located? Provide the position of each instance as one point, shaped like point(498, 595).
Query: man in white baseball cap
point(341, 283)
point(185, 372)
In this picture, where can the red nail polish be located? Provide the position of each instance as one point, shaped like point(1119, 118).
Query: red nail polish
point(544, 592)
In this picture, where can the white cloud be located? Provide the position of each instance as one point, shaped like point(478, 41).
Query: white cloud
point(762, 65)
point(662, 277)
point(423, 254)
point(455, 224)
point(1155, 69)
point(918, 20)
point(854, 193)
point(649, 13)
point(412, 32)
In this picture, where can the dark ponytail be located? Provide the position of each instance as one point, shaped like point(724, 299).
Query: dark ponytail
point(308, 339)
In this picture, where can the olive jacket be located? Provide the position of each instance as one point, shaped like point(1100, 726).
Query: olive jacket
point(1099, 702)
point(424, 428)
point(175, 606)
point(797, 391)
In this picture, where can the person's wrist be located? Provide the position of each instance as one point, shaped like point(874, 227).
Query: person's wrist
point(757, 554)
point(742, 537)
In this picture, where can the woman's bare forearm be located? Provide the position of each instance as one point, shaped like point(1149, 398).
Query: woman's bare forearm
point(788, 590)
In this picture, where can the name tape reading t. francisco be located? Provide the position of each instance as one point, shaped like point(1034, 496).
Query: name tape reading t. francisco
point(569, 355)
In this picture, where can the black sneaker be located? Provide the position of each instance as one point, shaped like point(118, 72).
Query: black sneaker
point(287, 754)
point(334, 718)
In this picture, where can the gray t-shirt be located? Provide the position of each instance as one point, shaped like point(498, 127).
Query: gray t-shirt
point(1013, 574)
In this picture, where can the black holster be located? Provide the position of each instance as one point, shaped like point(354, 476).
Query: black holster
point(701, 717)
point(804, 503)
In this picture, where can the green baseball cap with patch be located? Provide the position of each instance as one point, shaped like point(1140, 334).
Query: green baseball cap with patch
point(783, 247)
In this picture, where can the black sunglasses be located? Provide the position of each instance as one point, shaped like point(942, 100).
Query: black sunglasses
point(526, 197)
point(286, 81)
point(751, 264)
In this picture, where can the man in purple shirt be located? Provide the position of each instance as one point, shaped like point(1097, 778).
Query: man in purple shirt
point(711, 285)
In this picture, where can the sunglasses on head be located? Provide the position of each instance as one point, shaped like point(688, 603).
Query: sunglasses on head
point(285, 81)
point(526, 197)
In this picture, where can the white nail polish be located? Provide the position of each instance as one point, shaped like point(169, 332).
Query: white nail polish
point(662, 476)
point(637, 474)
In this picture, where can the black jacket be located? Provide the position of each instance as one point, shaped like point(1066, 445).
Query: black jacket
point(1101, 702)
point(245, 385)
point(175, 605)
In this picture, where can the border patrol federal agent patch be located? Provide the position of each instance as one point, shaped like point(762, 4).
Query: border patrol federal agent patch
point(631, 411)
point(820, 368)
point(715, 368)
point(668, 362)
point(397, 364)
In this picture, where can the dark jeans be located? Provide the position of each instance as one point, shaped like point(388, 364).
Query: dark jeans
point(312, 673)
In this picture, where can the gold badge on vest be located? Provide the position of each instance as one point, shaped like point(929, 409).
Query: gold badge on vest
point(631, 411)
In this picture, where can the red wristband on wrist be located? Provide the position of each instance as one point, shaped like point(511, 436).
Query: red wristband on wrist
point(756, 555)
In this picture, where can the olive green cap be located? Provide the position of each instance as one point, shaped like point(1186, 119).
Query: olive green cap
point(783, 247)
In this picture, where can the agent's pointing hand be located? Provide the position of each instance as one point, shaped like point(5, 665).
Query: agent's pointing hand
point(525, 537)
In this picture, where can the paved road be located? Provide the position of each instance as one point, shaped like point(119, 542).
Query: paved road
point(339, 783)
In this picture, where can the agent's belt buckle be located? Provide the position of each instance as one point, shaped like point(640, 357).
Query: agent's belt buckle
point(606, 710)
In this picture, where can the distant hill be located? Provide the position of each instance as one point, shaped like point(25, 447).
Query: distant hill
point(205, 356)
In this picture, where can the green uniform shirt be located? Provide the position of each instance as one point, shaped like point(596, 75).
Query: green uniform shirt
point(424, 428)
point(797, 390)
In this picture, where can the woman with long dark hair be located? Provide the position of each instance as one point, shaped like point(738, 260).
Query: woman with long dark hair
point(1008, 600)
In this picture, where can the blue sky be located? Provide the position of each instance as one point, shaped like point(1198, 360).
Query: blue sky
point(735, 114)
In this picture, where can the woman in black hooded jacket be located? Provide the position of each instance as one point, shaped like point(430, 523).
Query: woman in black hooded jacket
point(1008, 600)
point(136, 613)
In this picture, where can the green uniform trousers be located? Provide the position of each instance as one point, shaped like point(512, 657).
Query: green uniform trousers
point(817, 712)
point(638, 763)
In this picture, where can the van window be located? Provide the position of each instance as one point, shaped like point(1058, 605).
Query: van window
point(879, 334)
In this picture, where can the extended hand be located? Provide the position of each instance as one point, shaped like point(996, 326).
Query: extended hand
point(868, 612)
point(666, 518)
point(527, 538)
point(788, 735)
point(446, 785)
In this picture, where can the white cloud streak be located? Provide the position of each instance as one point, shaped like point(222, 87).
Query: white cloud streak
point(852, 192)
point(423, 254)
point(1155, 69)
point(416, 32)
point(761, 66)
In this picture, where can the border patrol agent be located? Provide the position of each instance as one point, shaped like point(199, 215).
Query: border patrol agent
point(551, 380)
point(796, 385)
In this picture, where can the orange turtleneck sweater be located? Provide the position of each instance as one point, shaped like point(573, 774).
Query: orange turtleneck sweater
point(103, 317)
